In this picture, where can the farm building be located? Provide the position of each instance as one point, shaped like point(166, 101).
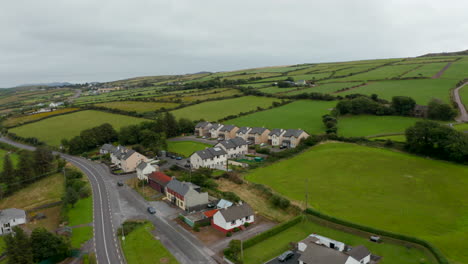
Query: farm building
point(235, 148)
point(10, 218)
point(145, 168)
point(243, 132)
point(186, 195)
point(203, 129)
point(158, 181)
point(228, 218)
point(258, 135)
point(214, 158)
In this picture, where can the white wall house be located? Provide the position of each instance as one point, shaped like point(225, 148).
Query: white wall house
point(243, 132)
point(214, 130)
point(235, 148)
point(145, 168)
point(226, 219)
point(275, 136)
point(10, 218)
point(214, 158)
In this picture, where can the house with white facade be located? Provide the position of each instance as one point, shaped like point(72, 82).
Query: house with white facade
point(214, 130)
point(214, 158)
point(243, 132)
point(228, 131)
point(235, 216)
point(144, 169)
point(235, 148)
point(275, 136)
point(293, 137)
point(10, 218)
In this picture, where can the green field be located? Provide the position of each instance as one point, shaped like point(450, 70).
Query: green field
point(461, 127)
point(389, 190)
point(385, 72)
point(275, 245)
point(370, 125)
point(423, 91)
point(305, 115)
point(54, 129)
point(326, 88)
point(426, 70)
point(139, 107)
point(397, 138)
point(82, 213)
point(215, 110)
point(140, 247)
point(276, 89)
point(457, 71)
point(185, 148)
point(13, 156)
point(80, 235)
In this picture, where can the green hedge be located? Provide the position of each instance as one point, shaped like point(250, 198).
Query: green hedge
point(436, 252)
point(271, 232)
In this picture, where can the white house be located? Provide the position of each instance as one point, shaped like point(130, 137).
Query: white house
point(361, 254)
point(214, 130)
point(226, 219)
point(243, 132)
point(214, 158)
point(55, 105)
point(235, 148)
point(145, 168)
point(10, 218)
point(275, 136)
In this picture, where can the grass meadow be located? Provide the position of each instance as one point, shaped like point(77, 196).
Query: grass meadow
point(14, 158)
point(464, 95)
point(139, 107)
point(385, 72)
point(215, 110)
point(82, 212)
point(370, 125)
point(185, 148)
point(426, 70)
point(381, 188)
point(14, 121)
point(306, 115)
point(397, 138)
point(54, 129)
point(325, 88)
point(277, 244)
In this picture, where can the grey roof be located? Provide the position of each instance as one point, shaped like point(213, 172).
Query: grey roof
point(317, 254)
point(210, 152)
point(227, 128)
point(257, 130)
point(142, 165)
point(233, 143)
point(202, 124)
point(107, 147)
point(359, 252)
point(276, 131)
point(293, 133)
point(216, 126)
point(236, 212)
point(181, 187)
point(127, 154)
point(243, 130)
point(12, 213)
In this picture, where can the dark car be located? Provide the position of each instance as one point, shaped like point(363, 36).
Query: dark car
point(187, 165)
point(285, 256)
point(210, 205)
point(179, 158)
point(283, 147)
point(151, 210)
point(119, 183)
point(172, 156)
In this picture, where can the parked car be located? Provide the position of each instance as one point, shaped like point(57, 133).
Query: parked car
point(283, 147)
point(204, 137)
point(187, 165)
point(285, 256)
point(220, 138)
point(172, 156)
point(179, 158)
point(262, 144)
point(210, 205)
point(119, 183)
point(151, 210)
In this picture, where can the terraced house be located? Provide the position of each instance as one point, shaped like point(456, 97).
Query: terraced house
point(213, 158)
point(293, 137)
point(214, 130)
point(243, 132)
point(203, 129)
point(235, 148)
point(275, 136)
point(186, 195)
point(258, 135)
point(228, 131)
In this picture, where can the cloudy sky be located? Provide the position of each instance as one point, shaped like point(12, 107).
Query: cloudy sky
point(103, 40)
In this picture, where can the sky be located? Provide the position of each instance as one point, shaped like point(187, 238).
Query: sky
point(105, 40)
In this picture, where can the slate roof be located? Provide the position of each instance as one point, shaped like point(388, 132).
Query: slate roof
point(107, 147)
point(322, 255)
point(7, 215)
point(293, 133)
point(227, 128)
point(160, 178)
point(359, 252)
point(127, 154)
point(233, 143)
point(142, 165)
point(236, 212)
point(210, 153)
point(181, 188)
point(276, 131)
point(216, 126)
point(243, 130)
point(202, 124)
point(257, 130)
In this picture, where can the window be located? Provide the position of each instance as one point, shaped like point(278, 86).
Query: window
point(233, 222)
point(247, 218)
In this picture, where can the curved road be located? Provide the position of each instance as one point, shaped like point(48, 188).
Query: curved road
point(178, 241)
point(456, 95)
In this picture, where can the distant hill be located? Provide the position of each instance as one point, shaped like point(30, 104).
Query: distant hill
point(52, 84)
point(456, 53)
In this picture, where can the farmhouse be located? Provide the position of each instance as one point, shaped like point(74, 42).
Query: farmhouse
point(293, 137)
point(185, 195)
point(243, 132)
point(214, 130)
point(226, 219)
point(214, 158)
point(258, 135)
point(236, 147)
point(275, 136)
point(203, 129)
point(228, 131)
point(145, 168)
point(10, 218)
point(420, 111)
point(158, 181)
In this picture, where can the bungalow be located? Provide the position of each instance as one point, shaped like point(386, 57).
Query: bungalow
point(293, 137)
point(228, 131)
point(203, 129)
point(258, 135)
point(185, 195)
point(226, 219)
point(158, 181)
point(10, 218)
point(214, 130)
point(236, 147)
point(145, 168)
point(243, 132)
point(275, 136)
point(215, 158)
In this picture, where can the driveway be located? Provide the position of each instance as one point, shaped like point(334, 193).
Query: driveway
point(194, 138)
point(461, 107)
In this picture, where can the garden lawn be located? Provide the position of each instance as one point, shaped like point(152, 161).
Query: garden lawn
point(54, 129)
point(47, 190)
point(422, 91)
point(2, 245)
point(305, 115)
point(215, 110)
point(13, 156)
point(370, 125)
point(140, 247)
point(82, 213)
point(277, 244)
point(139, 107)
point(80, 235)
point(185, 148)
point(380, 188)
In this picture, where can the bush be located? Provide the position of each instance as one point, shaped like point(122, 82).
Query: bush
point(230, 196)
point(228, 234)
point(236, 229)
point(246, 224)
point(280, 201)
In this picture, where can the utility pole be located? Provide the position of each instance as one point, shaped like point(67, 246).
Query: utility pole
point(242, 249)
point(123, 233)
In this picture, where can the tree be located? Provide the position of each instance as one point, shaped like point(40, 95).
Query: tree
point(440, 111)
point(185, 125)
point(46, 245)
point(71, 196)
point(129, 135)
point(8, 175)
point(25, 171)
point(172, 127)
point(18, 247)
point(43, 160)
point(403, 105)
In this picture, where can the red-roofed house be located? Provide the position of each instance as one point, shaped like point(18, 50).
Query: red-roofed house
point(158, 181)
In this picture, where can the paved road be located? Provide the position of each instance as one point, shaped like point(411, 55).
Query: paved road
point(456, 95)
